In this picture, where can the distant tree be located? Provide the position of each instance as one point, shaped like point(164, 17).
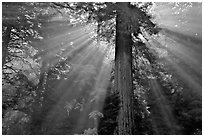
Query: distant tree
point(22, 23)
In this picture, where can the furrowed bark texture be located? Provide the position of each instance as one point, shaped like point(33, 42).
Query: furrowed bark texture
point(123, 75)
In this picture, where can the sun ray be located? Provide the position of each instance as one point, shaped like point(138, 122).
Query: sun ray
point(61, 42)
point(190, 60)
point(182, 57)
point(68, 53)
point(63, 97)
point(77, 69)
point(190, 79)
point(97, 96)
point(52, 58)
point(96, 102)
point(163, 105)
point(77, 63)
point(76, 66)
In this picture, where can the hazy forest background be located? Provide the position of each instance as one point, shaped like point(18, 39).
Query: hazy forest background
point(104, 68)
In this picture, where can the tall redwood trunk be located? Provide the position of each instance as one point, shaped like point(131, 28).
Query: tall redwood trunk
point(123, 74)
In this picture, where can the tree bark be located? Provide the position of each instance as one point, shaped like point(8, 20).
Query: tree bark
point(36, 115)
point(123, 74)
point(6, 38)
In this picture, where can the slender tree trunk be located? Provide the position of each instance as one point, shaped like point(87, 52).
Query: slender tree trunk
point(123, 74)
point(6, 38)
point(36, 115)
point(98, 32)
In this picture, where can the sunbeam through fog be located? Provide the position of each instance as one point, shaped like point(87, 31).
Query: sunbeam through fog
point(61, 75)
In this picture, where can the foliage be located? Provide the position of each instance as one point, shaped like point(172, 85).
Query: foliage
point(95, 114)
point(15, 123)
point(108, 123)
point(147, 66)
point(90, 131)
point(21, 71)
point(74, 105)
